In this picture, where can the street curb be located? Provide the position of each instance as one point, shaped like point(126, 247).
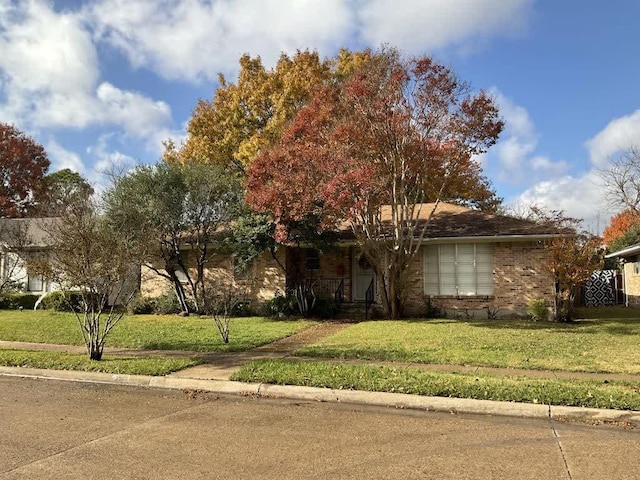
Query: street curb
point(352, 397)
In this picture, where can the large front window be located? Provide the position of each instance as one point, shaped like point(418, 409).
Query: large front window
point(458, 269)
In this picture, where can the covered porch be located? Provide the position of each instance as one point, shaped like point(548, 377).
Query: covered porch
point(339, 275)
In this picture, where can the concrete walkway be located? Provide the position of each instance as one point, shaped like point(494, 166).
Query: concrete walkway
point(214, 374)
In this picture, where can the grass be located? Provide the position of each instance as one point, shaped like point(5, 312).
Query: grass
point(596, 344)
point(584, 393)
point(108, 364)
point(156, 332)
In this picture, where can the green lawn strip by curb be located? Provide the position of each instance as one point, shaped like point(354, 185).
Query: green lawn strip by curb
point(583, 393)
point(150, 332)
point(108, 364)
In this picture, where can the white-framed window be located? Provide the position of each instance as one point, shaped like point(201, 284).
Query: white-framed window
point(458, 269)
point(35, 283)
point(636, 268)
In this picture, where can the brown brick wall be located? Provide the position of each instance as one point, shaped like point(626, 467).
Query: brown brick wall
point(265, 280)
point(518, 278)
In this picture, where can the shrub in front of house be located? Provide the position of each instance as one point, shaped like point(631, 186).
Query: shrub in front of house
point(167, 304)
point(324, 308)
point(15, 301)
point(281, 306)
point(63, 302)
point(140, 305)
point(538, 310)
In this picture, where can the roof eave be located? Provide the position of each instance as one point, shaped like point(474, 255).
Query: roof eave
point(624, 252)
point(480, 238)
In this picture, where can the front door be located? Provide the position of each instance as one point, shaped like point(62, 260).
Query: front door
point(362, 275)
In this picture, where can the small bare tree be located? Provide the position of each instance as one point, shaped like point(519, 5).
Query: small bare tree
point(89, 256)
point(224, 295)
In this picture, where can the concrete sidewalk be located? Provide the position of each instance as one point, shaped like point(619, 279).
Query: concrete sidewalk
point(214, 374)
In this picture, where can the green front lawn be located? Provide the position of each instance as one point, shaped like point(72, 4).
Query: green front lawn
point(583, 393)
point(162, 332)
point(121, 365)
point(590, 345)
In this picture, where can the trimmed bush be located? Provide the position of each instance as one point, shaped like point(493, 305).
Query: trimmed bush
point(61, 302)
point(140, 305)
point(281, 306)
point(167, 304)
point(15, 301)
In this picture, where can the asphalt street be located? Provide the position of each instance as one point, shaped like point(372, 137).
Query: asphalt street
point(53, 429)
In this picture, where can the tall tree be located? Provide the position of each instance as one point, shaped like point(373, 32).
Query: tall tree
point(247, 116)
point(622, 180)
point(62, 190)
point(175, 211)
point(23, 164)
point(373, 150)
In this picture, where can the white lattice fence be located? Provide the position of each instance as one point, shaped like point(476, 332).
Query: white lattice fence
point(600, 289)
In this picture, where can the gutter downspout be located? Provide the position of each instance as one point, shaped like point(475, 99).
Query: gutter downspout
point(624, 286)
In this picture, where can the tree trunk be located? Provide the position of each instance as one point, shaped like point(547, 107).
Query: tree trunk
point(95, 354)
point(180, 295)
point(94, 347)
point(393, 297)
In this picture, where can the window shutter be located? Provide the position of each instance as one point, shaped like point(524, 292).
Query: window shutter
point(484, 269)
point(466, 269)
point(432, 272)
point(447, 268)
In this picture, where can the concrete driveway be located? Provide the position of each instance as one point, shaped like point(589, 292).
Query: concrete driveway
point(52, 429)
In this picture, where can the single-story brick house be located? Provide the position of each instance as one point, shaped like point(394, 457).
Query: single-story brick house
point(630, 258)
point(472, 264)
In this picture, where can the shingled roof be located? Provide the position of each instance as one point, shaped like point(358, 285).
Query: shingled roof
point(455, 221)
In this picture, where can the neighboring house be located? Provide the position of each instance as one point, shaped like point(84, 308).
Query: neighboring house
point(472, 264)
point(20, 240)
point(630, 258)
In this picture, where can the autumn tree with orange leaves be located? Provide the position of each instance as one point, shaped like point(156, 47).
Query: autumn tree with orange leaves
point(623, 230)
point(397, 134)
point(23, 164)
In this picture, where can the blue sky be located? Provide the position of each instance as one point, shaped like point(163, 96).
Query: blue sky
point(101, 83)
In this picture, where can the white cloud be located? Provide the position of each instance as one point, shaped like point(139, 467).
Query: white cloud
point(418, 25)
point(62, 158)
point(516, 148)
point(48, 63)
point(547, 166)
point(585, 196)
point(49, 70)
point(196, 39)
point(619, 134)
point(578, 196)
point(138, 115)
